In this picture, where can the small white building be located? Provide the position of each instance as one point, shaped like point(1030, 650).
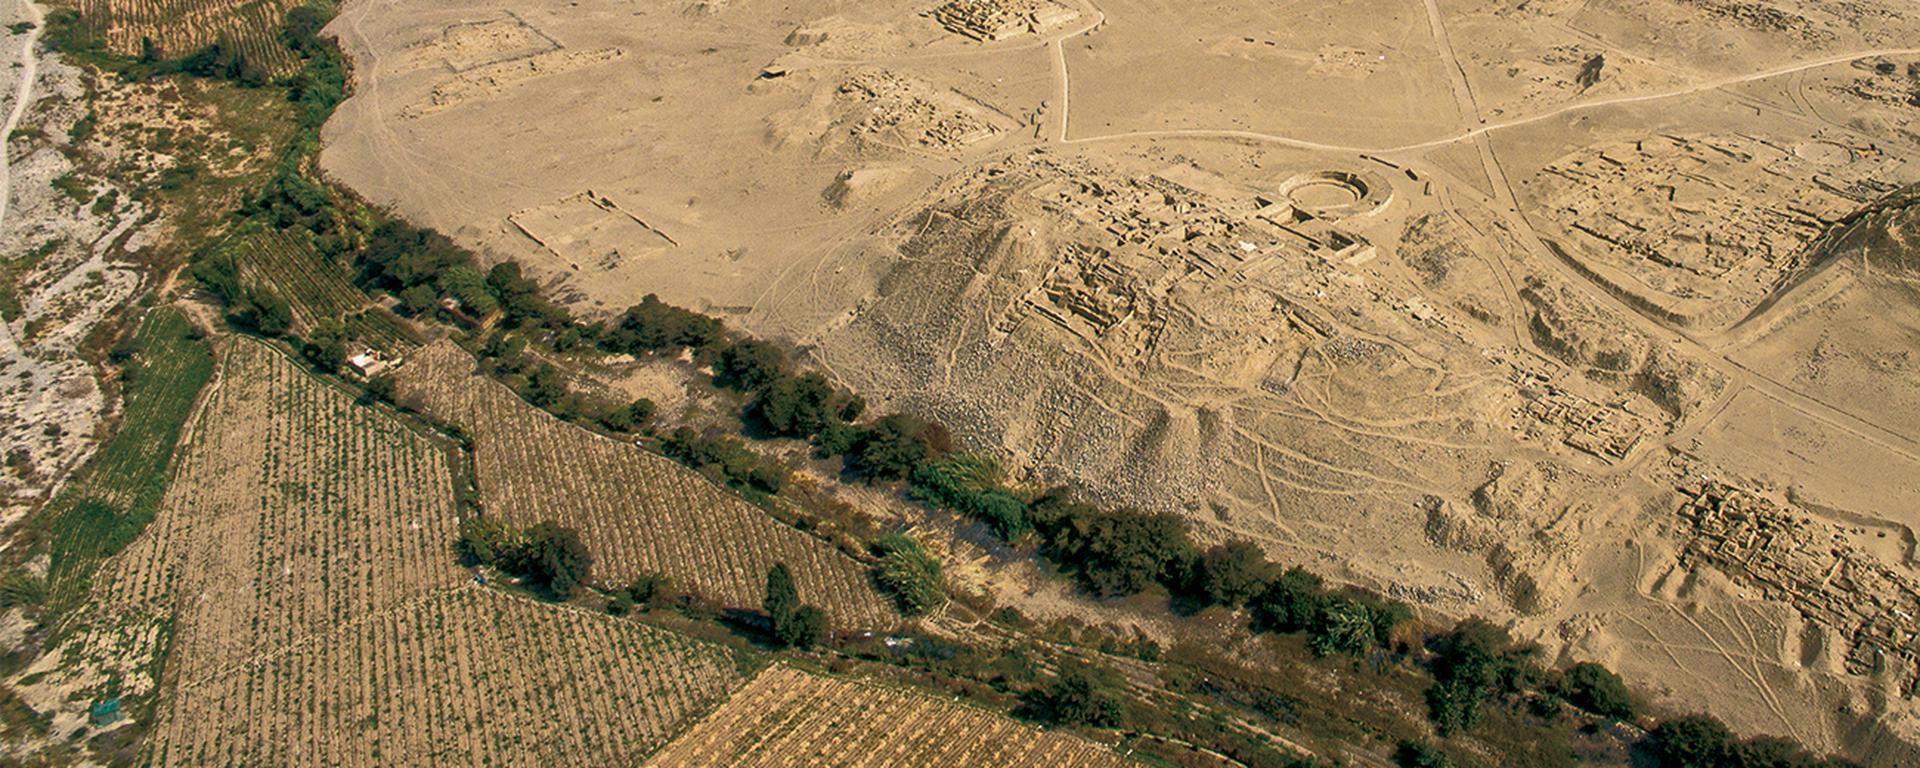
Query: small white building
point(368, 363)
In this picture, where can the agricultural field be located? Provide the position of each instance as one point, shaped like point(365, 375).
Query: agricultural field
point(313, 286)
point(380, 328)
point(122, 488)
point(786, 717)
point(289, 511)
point(180, 27)
point(470, 677)
point(298, 587)
point(638, 512)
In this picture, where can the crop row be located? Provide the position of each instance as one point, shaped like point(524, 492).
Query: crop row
point(791, 718)
point(294, 510)
point(637, 511)
point(315, 287)
point(467, 677)
point(180, 27)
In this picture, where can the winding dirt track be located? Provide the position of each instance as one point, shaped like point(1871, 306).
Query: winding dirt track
point(22, 97)
point(1065, 91)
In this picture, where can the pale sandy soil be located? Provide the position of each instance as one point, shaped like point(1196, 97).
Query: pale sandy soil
point(1386, 288)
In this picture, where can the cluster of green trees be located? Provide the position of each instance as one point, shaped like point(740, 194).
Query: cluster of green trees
point(794, 624)
point(253, 307)
point(219, 60)
point(1078, 696)
point(1115, 553)
point(1475, 662)
point(781, 401)
point(68, 32)
point(547, 555)
point(642, 594)
point(725, 459)
point(1700, 741)
point(1478, 662)
point(504, 357)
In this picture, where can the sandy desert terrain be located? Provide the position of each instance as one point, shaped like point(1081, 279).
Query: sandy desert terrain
point(1477, 303)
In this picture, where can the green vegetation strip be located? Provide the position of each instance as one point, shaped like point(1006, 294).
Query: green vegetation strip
point(163, 368)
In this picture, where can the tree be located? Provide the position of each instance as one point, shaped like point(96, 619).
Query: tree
point(767, 476)
point(302, 28)
point(1289, 603)
point(654, 325)
point(1233, 573)
point(795, 625)
point(794, 406)
point(1123, 553)
point(1590, 71)
point(892, 447)
point(1693, 741)
point(1595, 689)
point(782, 599)
point(484, 541)
point(326, 345)
point(806, 629)
point(263, 311)
point(419, 299)
point(466, 285)
point(630, 417)
point(545, 386)
point(380, 388)
point(1416, 754)
point(1077, 698)
point(554, 556)
point(749, 364)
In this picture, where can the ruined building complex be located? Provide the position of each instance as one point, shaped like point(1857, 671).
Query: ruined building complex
point(990, 20)
point(1812, 566)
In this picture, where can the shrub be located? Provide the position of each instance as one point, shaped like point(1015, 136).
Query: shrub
point(1415, 754)
point(1232, 573)
point(909, 574)
point(971, 485)
point(554, 556)
point(1595, 689)
point(1453, 707)
point(644, 590)
point(892, 447)
point(1341, 625)
point(1693, 741)
point(1076, 697)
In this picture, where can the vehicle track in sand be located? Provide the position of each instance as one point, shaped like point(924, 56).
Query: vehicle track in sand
point(1482, 130)
point(22, 98)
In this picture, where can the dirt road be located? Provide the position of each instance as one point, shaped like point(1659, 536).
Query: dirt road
point(22, 96)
